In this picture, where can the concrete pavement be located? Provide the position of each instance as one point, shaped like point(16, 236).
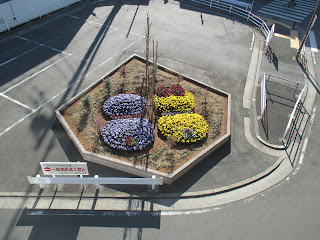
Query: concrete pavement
point(246, 182)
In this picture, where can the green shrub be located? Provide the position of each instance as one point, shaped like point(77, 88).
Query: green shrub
point(86, 102)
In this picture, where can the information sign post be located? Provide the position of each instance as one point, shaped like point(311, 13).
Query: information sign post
point(64, 168)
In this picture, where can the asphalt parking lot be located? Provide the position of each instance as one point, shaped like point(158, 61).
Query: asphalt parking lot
point(48, 63)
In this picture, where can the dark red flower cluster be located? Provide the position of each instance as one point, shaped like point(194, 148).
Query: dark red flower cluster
point(131, 141)
point(175, 90)
point(163, 91)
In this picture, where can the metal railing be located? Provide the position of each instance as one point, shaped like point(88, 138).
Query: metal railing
point(294, 112)
point(232, 8)
point(8, 22)
point(18, 18)
point(95, 180)
point(288, 83)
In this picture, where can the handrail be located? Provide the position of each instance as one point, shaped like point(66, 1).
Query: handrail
point(8, 22)
point(293, 112)
point(233, 9)
point(95, 180)
point(280, 79)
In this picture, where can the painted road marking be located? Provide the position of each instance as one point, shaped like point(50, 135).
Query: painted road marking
point(277, 8)
point(28, 78)
point(35, 74)
point(16, 102)
point(101, 24)
point(55, 96)
point(55, 49)
point(313, 42)
point(52, 20)
point(12, 59)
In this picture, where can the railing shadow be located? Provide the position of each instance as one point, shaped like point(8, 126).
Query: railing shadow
point(279, 104)
point(296, 134)
point(303, 63)
point(65, 224)
point(227, 10)
point(272, 58)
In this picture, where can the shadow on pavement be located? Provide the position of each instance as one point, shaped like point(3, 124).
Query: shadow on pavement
point(296, 134)
point(65, 224)
point(304, 66)
point(271, 56)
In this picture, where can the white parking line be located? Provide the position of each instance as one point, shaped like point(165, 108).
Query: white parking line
point(55, 49)
point(117, 54)
point(80, 8)
point(15, 101)
point(42, 44)
point(12, 59)
point(101, 24)
point(55, 96)
point(35, 74)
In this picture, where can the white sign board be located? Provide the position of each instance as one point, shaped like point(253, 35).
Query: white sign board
point(64, 168)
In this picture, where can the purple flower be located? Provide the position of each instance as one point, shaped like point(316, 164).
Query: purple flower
point(124, 104)
point(116, 132)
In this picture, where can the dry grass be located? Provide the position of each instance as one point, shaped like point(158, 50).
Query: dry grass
point(162, 155)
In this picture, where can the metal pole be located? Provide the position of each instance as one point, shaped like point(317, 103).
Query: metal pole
point(153, 186)
point(249, 13)
point(97, 185)
point(308, 29)
point(40, 184)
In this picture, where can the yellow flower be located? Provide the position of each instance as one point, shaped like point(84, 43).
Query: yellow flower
point(178, 125)
point(175, 103)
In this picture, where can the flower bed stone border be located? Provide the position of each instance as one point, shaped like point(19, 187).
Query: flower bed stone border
point(133, 168)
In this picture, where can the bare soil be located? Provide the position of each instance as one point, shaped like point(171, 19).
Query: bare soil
point(164, 154)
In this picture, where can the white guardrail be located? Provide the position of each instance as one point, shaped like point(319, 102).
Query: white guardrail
point(238, 8)
point(37, 8)
point(95, 180)
point(294, 111)
point(263, 95)
point(16, 12)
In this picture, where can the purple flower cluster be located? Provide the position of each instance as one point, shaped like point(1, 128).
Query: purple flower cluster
point(124, 104)
point(116, 132)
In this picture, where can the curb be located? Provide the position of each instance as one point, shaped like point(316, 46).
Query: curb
point(249, 92)
point(151, 195)
point(256, 127)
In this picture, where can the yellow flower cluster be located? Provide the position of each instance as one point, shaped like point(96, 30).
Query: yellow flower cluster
point(174, 103)
point(176, 124)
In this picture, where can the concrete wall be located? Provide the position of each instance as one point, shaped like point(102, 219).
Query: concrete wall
point(16, 12)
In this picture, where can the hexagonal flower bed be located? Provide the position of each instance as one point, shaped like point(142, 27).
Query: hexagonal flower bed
point(165, 135)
